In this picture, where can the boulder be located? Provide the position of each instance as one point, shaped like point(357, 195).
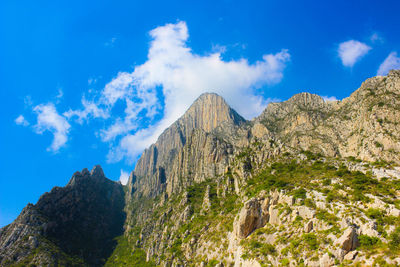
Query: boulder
point(351, 255)
point(349, 240)
point(308, 226)
point(274, 215)
point(306, 212)
point(250, 218)
point(326, 261)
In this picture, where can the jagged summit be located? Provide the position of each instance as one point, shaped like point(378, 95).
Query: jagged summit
point(209, 111)
point(73, 225)
point(96, 172)
point(186, 140)
point(217, 188)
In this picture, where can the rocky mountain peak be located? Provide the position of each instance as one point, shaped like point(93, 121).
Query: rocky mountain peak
point(209, 111)
point(97, 171)
point(182, 144)
point(298, 102)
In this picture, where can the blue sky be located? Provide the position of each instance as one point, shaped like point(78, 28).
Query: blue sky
point(95, 82)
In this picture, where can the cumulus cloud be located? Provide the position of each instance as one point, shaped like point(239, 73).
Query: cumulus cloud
point(183, 76)
point(352, 51)
point(20, 120)
point(48, 119)
point(391, 62)
point(330, 98)
point(90, 110)
point(124, 177)
point(159, 91)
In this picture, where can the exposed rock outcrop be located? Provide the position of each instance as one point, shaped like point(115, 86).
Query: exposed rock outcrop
point(349, 240)
point(217, 189)
point(250, 218)
point(71, 224)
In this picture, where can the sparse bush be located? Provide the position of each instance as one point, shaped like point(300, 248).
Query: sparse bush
point(308, 202)
point(368, 242)
point(311, 241)
point(300, 193)
point(394, 238)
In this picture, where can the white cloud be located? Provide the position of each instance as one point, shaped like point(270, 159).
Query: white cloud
point(330, 98)
point(110, 42)
point(391, 62)
point(49, 120)
point(20, 120)
point(124, 177)
point(376, 38)
point(183, 76)
point(352, 51)
point(90, 110)
point(60, 93)
point(28, 101)
point(161, 89)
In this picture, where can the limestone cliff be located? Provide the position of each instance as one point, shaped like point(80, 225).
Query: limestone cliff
point(364, 125)
point(202, 142)
point(317, 163)
point(309, 182)
point(187, 151)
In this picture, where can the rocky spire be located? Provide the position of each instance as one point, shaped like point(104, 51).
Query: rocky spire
point(165, 161)
point(97, 171)
point(210, 111)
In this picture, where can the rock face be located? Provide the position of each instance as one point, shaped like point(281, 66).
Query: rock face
point(80, 220)
point(364, 125)
point(349, 240)
point(201, 143)
point(251, 217)
point(187, 152)
point(217, 188)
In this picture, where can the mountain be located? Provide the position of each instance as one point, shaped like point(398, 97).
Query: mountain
point(71, 225)
point(309, 182)
point(163, 165)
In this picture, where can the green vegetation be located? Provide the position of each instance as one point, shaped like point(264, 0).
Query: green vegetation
point(255, 249)
point(311, 241)
point(50, 250)
point(394, 238)
point(295, 177)
point(125, 255)
point(324, 215)
point(368, 242)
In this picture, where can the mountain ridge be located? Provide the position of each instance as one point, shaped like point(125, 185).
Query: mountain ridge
point(307, 182)
point(71, 225)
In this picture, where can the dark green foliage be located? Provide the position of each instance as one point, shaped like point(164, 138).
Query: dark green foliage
point(52, 251)
point(311, 240)
point(324, 215)
point(394, 238)
point(326, 182)
point(342, 171)
point(310, 155)
point(308, 202)
point(125, 255)
point(212, 263)
point(256, 248)
point(382, 219)
point(377, 144)
point(333, 195)
point(368, 242)
point(353, 159)
point(300, 193)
